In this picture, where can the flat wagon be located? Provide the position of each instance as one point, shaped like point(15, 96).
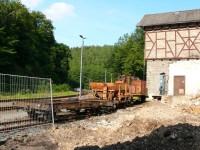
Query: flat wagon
point(103, 95)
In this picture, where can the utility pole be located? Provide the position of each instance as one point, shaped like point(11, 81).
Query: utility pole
point(81, 65)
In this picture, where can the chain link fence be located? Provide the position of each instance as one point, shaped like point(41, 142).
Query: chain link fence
point(24, 101)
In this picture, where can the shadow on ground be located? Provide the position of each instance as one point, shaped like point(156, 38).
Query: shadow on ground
point(177, 137)
point(74, 116)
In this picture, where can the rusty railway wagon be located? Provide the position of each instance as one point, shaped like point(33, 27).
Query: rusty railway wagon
point(103, 96)
point(124, 89)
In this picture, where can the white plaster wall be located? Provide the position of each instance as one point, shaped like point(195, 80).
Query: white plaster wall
point(191, 70)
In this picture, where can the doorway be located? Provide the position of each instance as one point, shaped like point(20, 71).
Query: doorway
point(179, 85)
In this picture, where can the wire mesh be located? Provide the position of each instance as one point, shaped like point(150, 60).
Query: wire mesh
point(24, 101)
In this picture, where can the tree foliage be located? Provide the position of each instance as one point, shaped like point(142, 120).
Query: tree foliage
point(94, 64)
point(128, 55)
point(125, 57)
point(27, 44)
point(60, 55)
point(28, 47)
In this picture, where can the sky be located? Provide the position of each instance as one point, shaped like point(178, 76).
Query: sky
point(102, 22)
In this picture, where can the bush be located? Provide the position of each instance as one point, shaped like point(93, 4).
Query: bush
point(61, 88)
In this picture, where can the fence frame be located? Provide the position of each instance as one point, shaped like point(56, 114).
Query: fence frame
point(25, 82)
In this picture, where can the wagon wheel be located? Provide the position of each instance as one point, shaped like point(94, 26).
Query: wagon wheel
point(143, 98)
point(113, 108)
point(32, 114)
point(47, 116)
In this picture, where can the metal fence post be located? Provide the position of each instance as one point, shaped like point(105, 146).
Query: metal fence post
point(52, 110)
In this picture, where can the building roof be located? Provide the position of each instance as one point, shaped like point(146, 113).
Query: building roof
point(170, 18)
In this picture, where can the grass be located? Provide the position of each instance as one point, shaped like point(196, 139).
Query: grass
point(67, 93)
point(6, 96)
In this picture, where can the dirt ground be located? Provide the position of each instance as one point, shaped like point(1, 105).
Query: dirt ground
point(148, 126)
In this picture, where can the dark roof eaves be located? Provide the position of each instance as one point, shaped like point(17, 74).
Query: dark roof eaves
point(170, 23)
point(143, 22)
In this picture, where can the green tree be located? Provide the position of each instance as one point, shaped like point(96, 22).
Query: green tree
point(60, 55)
point(27, 44)
point(128, 55)
point(94, 64)
point(26, 39)
point(43, 41)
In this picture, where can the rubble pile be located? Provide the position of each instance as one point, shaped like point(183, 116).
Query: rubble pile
point(193, 107)
point(150, 126)
point(177, 137)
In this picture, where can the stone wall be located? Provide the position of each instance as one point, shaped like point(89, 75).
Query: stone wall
point(154, 68)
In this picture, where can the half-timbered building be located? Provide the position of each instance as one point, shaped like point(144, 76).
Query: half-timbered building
point(172, 52)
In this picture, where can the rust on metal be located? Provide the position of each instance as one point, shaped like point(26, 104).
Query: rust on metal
point(122, 89)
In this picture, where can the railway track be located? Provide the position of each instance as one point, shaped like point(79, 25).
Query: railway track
point(8, 108)
point(14, 122)
point(13, 126)
point(66, 108)
point(11, 107)
point(34, 99)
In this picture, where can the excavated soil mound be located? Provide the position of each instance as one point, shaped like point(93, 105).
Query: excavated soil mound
point(148, 126)
point(177, 137)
